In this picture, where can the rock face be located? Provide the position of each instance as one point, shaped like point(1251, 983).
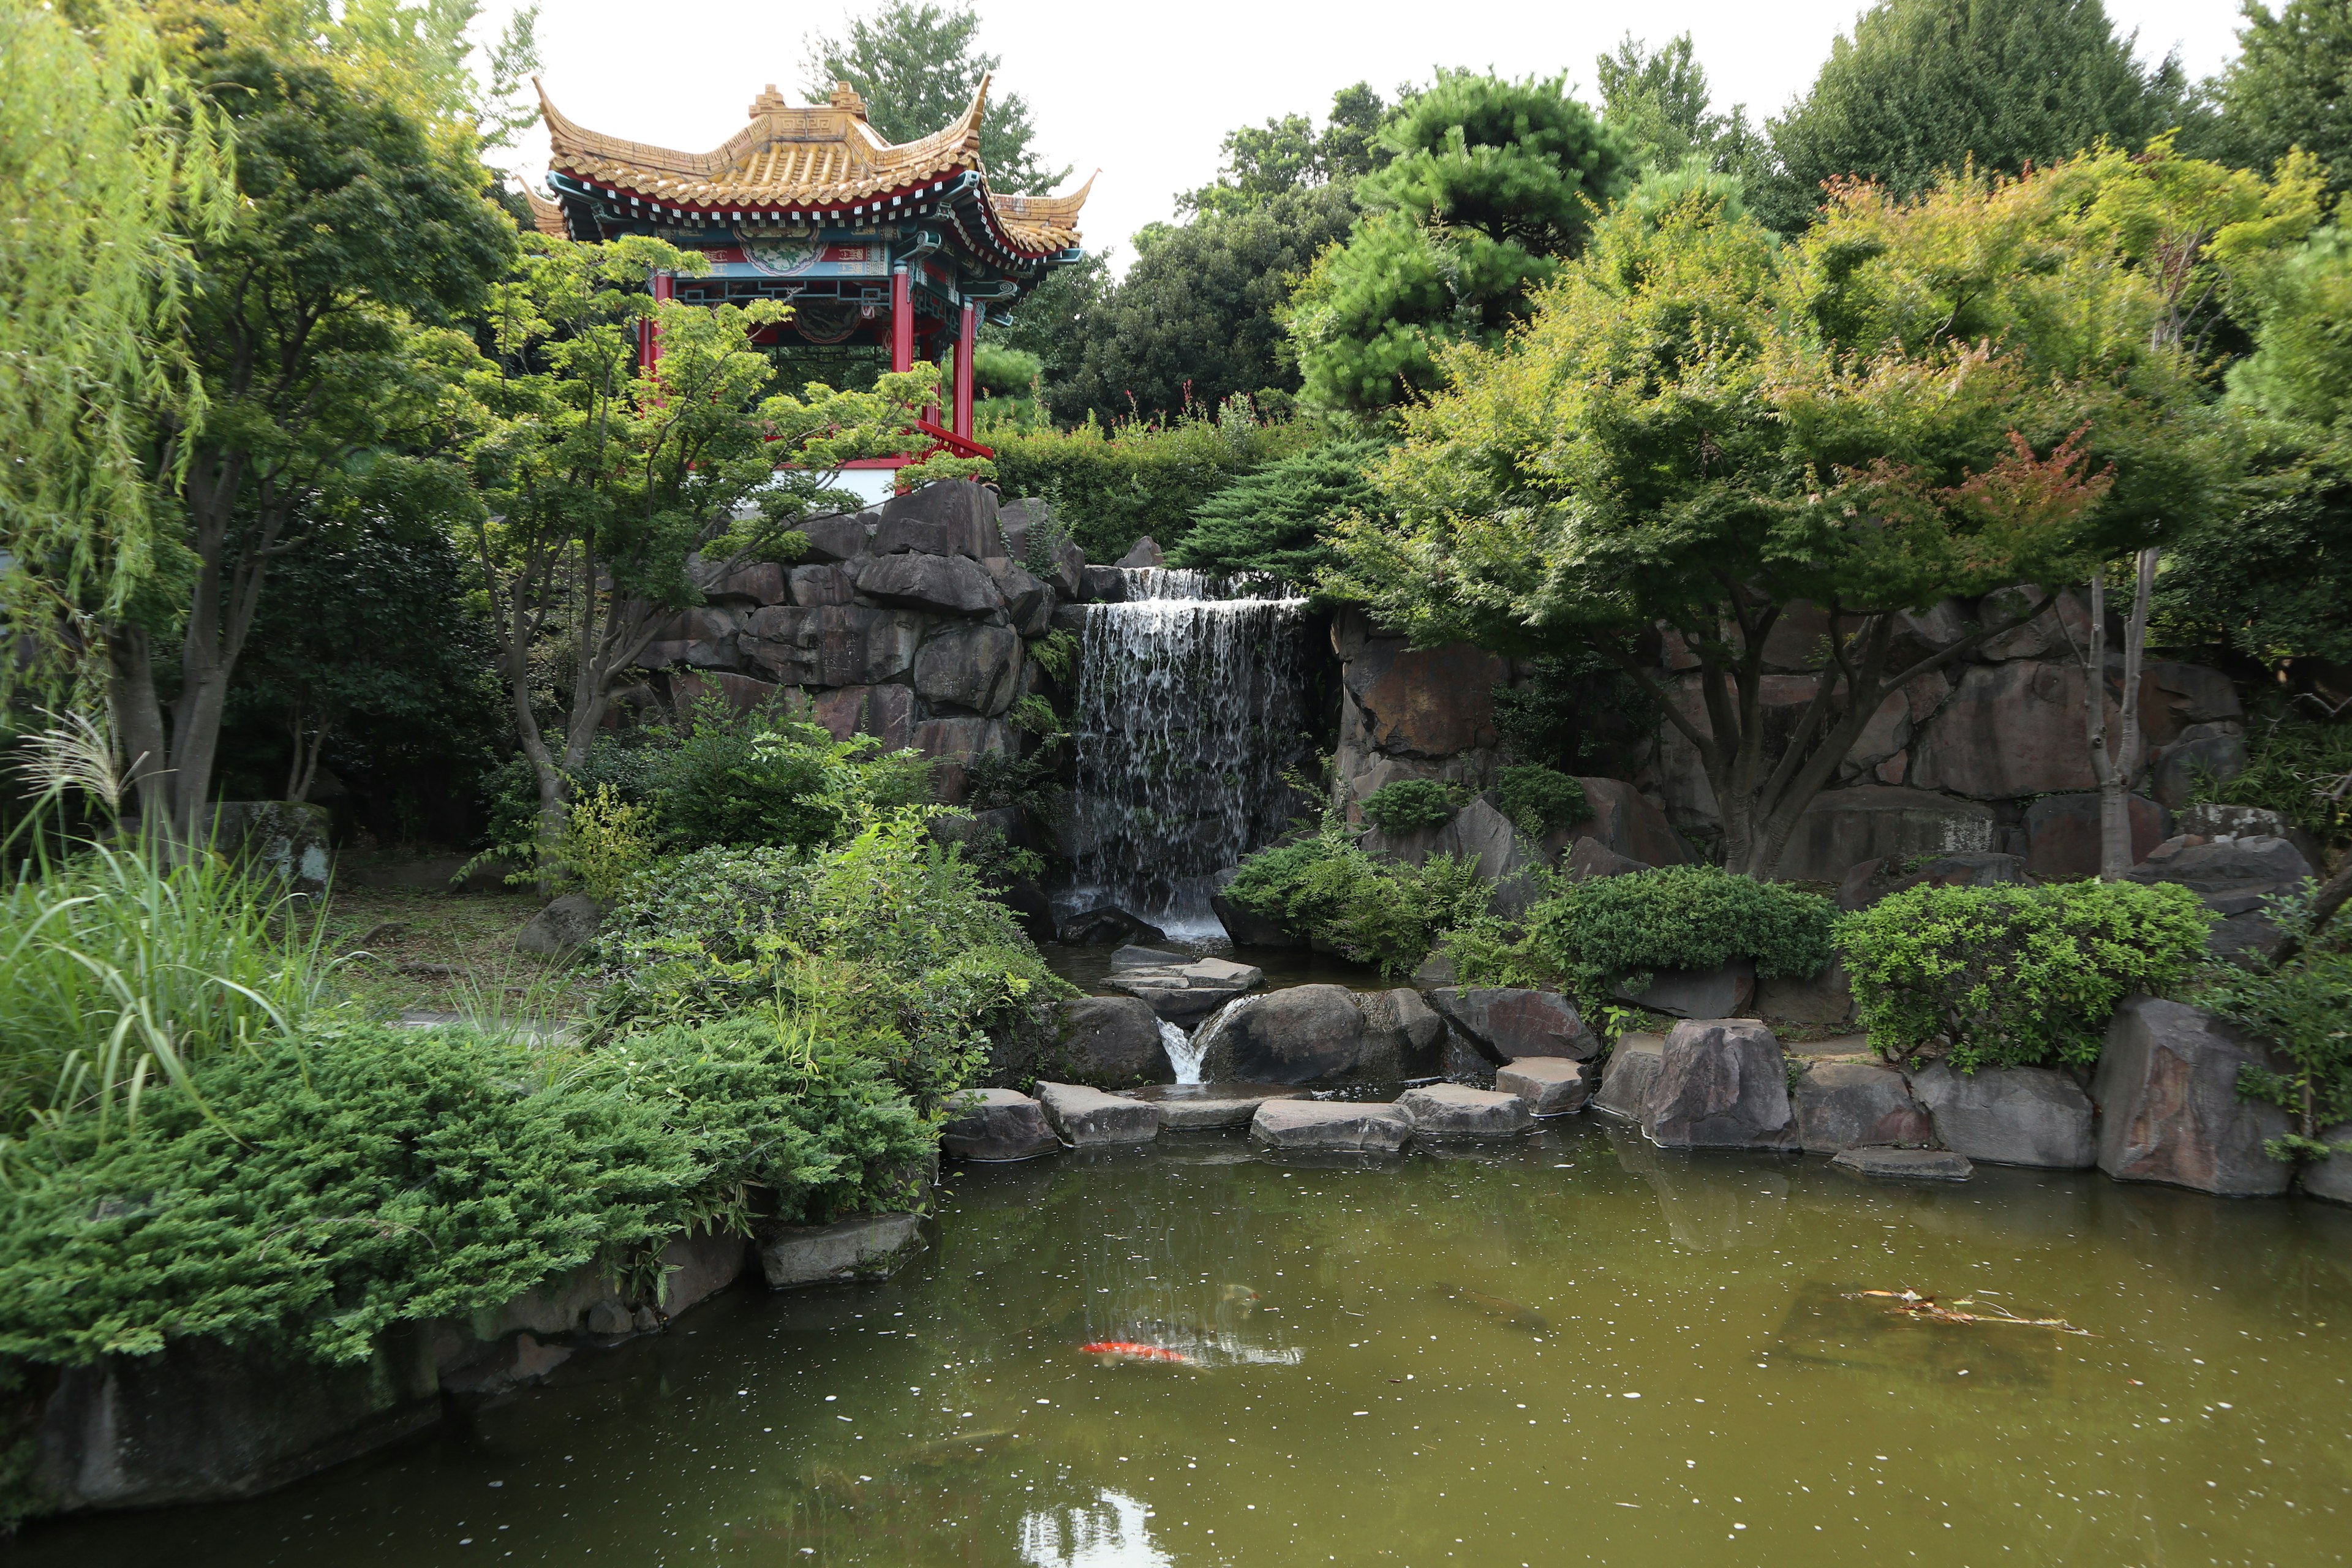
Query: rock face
point(2009, 1116)
point(1631, 1072)
point(569, 922)
point(2168, 1105)
point(1111, 1040)
point(1871, 881)
point(1826, 998)
point(1906, 1164)
point(1321, 1034)
point(2010, 731)
point(832, 645)
point(1509, 1024)
point(2061, 834)
point(1625, 824)
point(1722, 1083)
point(1451, 1110)
point(1852, 1105)
point(973, 667)
point(2331, 1178)
point(2234, 877)
point(956, 516)
point(1246, 927)
point(1589, 858)
point(997, 1124)
point(867, 1246)
point(1549, 1086)
point(1193, 1107)
point(1330, 1126)
point(1178, 988)
point(1715, 993)
point(1088, 1118)
point(1425, 702)
point(1843, 827)
point(950, 584)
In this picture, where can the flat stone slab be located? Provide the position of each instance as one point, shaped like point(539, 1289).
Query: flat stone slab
point(998, 1124)
point(1906, 1164)
point(1330, 1125)
point(1547, 1086)
point(1189, 1107)
point(1453, 1111)
point(868, 1247)
point(1181, 989)
point(1088, 1118)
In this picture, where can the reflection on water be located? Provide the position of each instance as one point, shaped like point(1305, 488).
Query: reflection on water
point(1578, 1348)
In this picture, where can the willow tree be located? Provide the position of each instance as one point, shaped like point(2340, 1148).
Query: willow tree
point(1701, 428)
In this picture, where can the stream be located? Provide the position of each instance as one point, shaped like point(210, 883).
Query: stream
point(1569, 1348)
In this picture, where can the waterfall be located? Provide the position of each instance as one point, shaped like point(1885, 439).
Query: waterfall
point(1190, 703)
point(1183, 1055)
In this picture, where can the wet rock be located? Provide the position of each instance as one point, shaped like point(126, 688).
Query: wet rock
point(1549, 1086)
point(1182, 989)
point(1512, 1023)
point(1106, 1040)
point(695, 1267)
point(1722, 1084)
point(865, 1247)
point(1194, 1107)
point(1906, 1164)
point(1849, 1105)
point(1097, 927)
point(1306, 1034)
point(1630, 1073)
point(1246, 927)
point(1842, 827)
point(1088, 1118)
point(2008, 1116)
point(1452, 1111)
point(951, 518)
point(1824, 999)
point(1589, 858)
point(1402, 1032)
point(1144, 552)
point(1103, 586)
point(569, 922)
point(2062, 833)
point(2234, 877)
point(2168, 1104)
point(1717, 992)
point(974, 668)
point(832, 645)
point(950, 584)
point(994, 1124)
point(1330, 1125)
point(1871, 881)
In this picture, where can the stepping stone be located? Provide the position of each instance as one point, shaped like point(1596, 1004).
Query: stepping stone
point(1547, 1086)
point(1188, 1107)
point(1326, 1124)
point(1906, 1164)
point(1088, 1118)
point(1452, 1111)
point(1180, 988)
point(998, 1124)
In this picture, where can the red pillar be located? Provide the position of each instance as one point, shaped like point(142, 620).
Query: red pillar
point(665, 284)
point(966, 326)
point(902, 319)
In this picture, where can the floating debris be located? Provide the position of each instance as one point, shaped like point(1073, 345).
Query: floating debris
point(1129, 1349)
point(1912, 1304)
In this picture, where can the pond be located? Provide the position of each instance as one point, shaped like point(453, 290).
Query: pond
point(1572, 1348)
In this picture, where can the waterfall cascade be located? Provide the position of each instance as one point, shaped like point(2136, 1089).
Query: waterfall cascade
point(1191, 704)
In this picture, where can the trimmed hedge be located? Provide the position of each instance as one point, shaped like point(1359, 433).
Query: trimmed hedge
point(1612, 932)
point(1110, 487)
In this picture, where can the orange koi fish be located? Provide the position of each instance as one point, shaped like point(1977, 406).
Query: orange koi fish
point(1128, 1349)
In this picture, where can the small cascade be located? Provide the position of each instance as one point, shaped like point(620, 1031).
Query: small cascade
point(1181, 1054)
point(1190, 703)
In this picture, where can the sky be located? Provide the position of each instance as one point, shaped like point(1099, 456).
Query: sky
point(1146, 92)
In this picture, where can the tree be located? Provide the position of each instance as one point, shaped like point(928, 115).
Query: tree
point(1491, 183)
point(1658, 104)
point(1289, 155)
point(917, 70)
point(1701, 428)
point(2291, 86)
point(1925, 87)
point(1276, 520)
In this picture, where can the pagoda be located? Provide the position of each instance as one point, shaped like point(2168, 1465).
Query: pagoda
point(875, 244)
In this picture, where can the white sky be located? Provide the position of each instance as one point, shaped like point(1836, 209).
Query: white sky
point(1145, 92)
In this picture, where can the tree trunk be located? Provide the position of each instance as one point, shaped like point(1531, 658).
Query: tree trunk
point(139, 720)
point(2117, 768)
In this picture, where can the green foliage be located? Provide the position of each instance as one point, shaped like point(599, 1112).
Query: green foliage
point(1036, 715)
point(2296, 767)
point(1275, 520)
point(2015, 976)
point(1323, 887)
point(1056, 653)
point(1539, 798)
point(917, 68)
point(1657, 103)
point(893, 922)
point(1111, 486)
point(605, 842)
point(1264, 163)
point(1402, 806)
point(1573, 708)
point(2304, 1008)
point(326, 1190)
point(1612, 932)
point(1921, 87)
point(2285, 86)
point(994, 780)
point(1001, 372)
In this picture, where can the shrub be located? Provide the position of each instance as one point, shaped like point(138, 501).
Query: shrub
point(1273, 520)
point(893, 924)
point(606, 842)
point(2015, 976)
point(1613, 932)
point(1374, 911)
point(2304, 1008)
point(1537, 798)
point(324, 1191)
point(2296, 767)
point(1407, 803)
point(1111, 487)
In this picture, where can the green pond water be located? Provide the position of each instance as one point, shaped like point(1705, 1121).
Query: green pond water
point(1570, 1348)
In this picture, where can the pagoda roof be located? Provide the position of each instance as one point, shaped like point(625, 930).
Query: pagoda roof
point(813, 158)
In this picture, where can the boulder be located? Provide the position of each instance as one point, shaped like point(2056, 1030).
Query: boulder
point(953, 517)
point(697, 1265)
point(1182, 989)
point(1088, 1118)
point(863, 1247)
point(1722, 1084)
point(1589, 858)
point(2168, 1104)
point(816, 586)
point(1437, 970)
point(1016, 519)
point(1400, 1027)
point(1098, 927)
point(953, 742)
point(705, 636)
point(2178, 699)
point(1842, 827)
point(286, 840)
point(569, 922)
point(1302, 1034)
point(1453, 1111)
point(1506, 856)
point(1630, 1073)
point(1246, 927)
point(2008, 1116)
point(2234, 877)
point(1194, 1107)
point(1849, 1105)
point(2331, 1178)
point(1717, 992)
point(2010, 731)
point(2202, 752)
point(973, 668)
point(1871, 881)
point(1028, 602)
point(832, 644)
point(1512, 1023)
point(997, 1124)
point(1103, 586)
point(1549, 1086)
point(1824, 999)
point(1144, 552)
point(2057, 631)
point(759, 581)
point(1906, 1164)
point(947, 584)
point(2061, 835)
point(1424, 702)
point(1068, 577)
point(1330, 1125)
point(885, 712)
point(1627, 823)
point(2208, 820)
point(1107, 1041)
point(843, 538)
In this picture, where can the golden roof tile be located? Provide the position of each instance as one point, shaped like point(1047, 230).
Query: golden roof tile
point(547, 216)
